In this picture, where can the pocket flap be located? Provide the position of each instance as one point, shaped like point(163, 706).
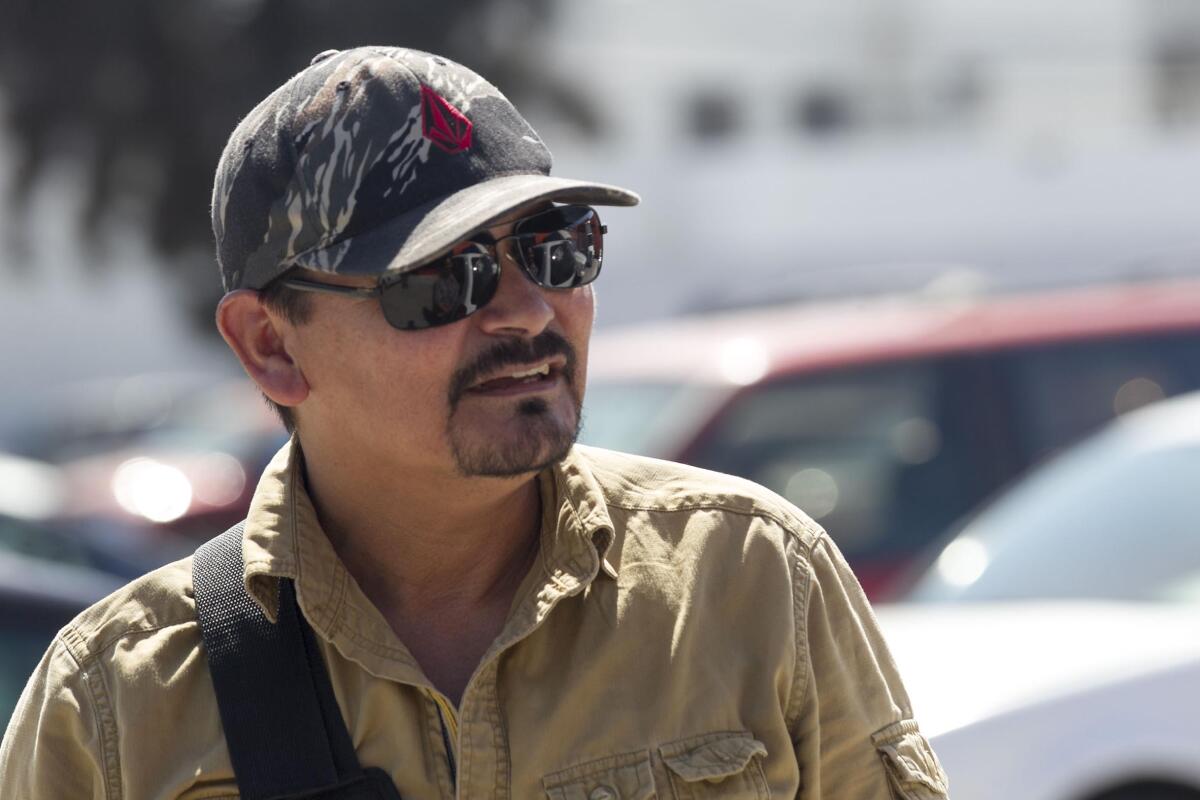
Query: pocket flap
point(626, 776)
point(715, 755)
point(911, 763)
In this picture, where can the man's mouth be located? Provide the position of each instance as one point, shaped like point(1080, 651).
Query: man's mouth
point(516, 366)
point(537, 377)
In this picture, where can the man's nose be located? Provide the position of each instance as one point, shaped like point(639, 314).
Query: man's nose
point(520, 307)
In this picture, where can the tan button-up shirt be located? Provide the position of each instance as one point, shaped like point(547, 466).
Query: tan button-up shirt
point(682, 634)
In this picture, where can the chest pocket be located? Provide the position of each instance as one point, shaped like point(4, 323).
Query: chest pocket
point(715, 765)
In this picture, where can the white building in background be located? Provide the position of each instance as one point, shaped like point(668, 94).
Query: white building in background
point(805, 148)
point(67, 327)
point(777, 70)
point(784, 148)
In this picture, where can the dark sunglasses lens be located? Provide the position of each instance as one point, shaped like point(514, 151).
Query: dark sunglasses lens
point(561, 248)
point(439, 294)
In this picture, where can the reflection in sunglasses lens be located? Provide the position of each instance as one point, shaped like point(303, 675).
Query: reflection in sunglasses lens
point(561, 248)
point(441, 294)
point(552, 263)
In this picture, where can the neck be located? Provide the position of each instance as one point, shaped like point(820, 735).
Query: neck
point(419, 543)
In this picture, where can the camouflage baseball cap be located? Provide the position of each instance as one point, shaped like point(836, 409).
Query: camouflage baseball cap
point(376, 160)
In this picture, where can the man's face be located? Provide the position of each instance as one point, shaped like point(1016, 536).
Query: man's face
point(497, 393)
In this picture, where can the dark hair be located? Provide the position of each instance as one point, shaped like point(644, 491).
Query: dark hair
point(296, 308)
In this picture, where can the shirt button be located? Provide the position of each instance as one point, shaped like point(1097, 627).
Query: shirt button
point(602, 793)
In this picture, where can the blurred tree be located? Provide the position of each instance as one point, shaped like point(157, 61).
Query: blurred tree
point(142, 94)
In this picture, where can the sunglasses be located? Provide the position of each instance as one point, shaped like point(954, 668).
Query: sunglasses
point(560, 248)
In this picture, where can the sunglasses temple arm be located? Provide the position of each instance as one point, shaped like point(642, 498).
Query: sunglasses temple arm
point(329, 288)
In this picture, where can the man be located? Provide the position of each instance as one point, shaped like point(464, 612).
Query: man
point(500, 613)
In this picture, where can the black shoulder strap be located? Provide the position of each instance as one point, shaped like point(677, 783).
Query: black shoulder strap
point(285, 733)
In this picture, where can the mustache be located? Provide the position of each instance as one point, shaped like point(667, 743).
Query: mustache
point(515, 352)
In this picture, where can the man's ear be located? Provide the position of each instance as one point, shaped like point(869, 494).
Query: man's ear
point(255, 336)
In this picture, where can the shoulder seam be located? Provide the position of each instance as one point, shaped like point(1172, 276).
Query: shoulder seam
point(88, 653)
point(97, 695)
point(801, 600)
point(788, 524)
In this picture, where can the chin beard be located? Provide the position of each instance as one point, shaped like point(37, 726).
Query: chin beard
point(535, 437)
point(537, 441)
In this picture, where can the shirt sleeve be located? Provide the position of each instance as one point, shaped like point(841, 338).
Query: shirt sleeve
point(854, 733)
point(51, 750)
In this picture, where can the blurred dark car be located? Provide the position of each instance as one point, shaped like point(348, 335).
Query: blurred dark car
point(175, 453)
point(60, 423)
point(122, 550)
point(889, 419)
point(33, 496)
point(38, 597)
point(191, 474)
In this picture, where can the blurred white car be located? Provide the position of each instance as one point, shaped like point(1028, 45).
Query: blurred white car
point(1052, 650)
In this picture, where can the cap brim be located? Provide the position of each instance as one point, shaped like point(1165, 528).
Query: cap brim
point(427, 231)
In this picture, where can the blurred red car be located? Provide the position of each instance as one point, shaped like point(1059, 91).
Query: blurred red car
point(889, 419)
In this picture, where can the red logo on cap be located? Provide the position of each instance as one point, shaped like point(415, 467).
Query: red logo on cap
point(443, 124)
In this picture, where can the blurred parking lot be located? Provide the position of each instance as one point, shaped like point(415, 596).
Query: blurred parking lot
point(887, 420)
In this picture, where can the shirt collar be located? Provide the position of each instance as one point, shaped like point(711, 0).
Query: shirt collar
point(580, 514)
point(283, 536)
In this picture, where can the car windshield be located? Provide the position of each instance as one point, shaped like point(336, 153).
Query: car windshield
point(867, 452)
point(1113, 519)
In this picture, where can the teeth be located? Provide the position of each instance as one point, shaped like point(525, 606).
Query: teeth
point(544, 369)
